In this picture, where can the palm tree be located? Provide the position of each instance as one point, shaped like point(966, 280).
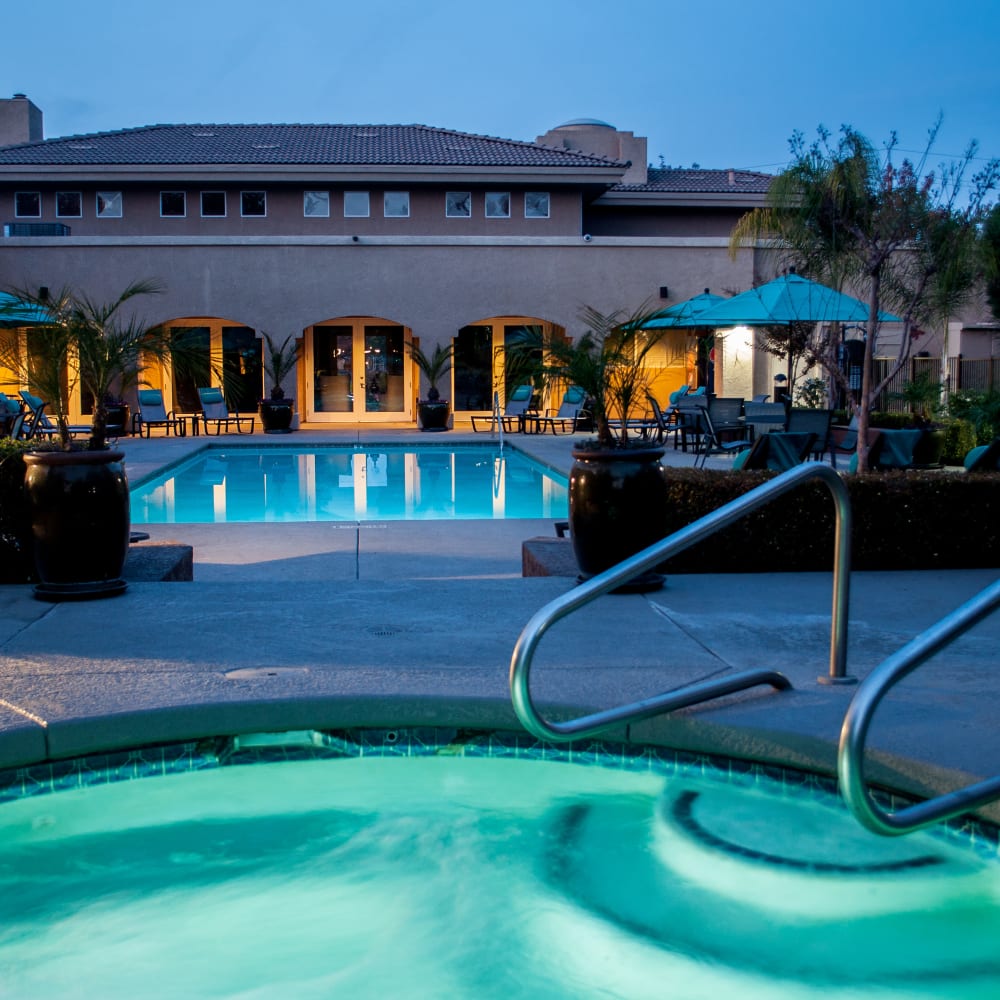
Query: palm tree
point(843, 212)
point(92, 345)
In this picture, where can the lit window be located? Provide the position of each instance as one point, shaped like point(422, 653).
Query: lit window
point(173, 204)
point(253, 204)
point(497, 204)
point(69, 204)
point(109, 204)
point(27, 205)
point(316, 204)
point(213, 204)
point(536, 204)
point(396, 204)
point(458, 204)
point(356, 205)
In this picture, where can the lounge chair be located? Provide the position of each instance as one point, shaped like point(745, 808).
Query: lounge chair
point(215, 411)
point(565, 418)
point(10, 410)
point(153, 413)
point(37, 422)
point(519, 403)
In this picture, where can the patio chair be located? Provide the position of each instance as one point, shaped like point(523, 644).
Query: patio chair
point(153, 413)
point(803, 420)
point(566, 416)
point(727, 415)
point(10, 410)
point(713, 444)
point(519, 403)
point(687, 422)
point(984, 458)
point(762, 418)
point(215, 410)
point(777, 451)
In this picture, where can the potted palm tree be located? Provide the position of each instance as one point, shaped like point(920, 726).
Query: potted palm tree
point(433, 411)
point(279, 362)
point(617, 491)
point(78, 494)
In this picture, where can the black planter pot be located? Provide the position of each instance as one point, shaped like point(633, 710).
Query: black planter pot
point(276, 415)
point(79, 506)
point(433, 414)
point(617, 507)
point(929, 449)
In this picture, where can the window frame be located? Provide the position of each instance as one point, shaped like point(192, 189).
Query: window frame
point(453, 199)
point(38, 202)
point(497, 195)
point(320, 196)
point(78, 214)
point(548, 205)
point(174, 215)
point(252, 215)
point(368, 205)
point(213, 215)
point(109, 197)
point(386, 214)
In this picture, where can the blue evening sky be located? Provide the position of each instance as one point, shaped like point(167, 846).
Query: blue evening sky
point(721, 83)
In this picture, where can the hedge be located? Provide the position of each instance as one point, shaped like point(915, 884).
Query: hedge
point(902, 521)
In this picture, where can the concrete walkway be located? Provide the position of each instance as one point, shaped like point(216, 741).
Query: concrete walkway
point(413, 623)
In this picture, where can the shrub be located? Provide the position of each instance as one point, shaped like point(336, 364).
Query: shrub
point(902, 521)
point(959, 440)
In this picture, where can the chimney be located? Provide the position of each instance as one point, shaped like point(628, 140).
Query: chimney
point(732, 177)
point(20, 121)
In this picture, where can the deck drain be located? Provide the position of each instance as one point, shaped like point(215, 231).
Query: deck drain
point(384, 630)
point(261, 673)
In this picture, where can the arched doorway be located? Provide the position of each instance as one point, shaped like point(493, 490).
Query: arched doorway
point(357, 370)
point(480, 367)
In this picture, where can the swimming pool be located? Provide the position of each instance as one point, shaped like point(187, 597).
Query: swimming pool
point(429, 864)
point(379, 482)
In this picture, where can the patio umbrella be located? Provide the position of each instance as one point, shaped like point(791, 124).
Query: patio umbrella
point(685, 314)
point(14, 312)
point(789, 299)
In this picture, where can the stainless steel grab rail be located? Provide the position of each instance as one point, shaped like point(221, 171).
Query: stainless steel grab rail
point(589, 725)
point(850, 757)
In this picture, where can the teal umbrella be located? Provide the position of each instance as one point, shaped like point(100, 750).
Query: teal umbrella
point(685, 314)
point(789, 299)
point(14, 312)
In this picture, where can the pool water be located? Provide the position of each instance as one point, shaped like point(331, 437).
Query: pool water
point(466, 871)
point(377, 483)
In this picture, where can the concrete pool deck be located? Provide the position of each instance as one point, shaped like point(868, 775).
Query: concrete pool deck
point(289, 627)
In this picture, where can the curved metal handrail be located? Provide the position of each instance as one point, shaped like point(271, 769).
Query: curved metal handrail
point(589, 725)
point(850, 757)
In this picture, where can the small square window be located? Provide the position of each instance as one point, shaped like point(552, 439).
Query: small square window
point(458, 204)
point(316, 204)
point(109, 204)
point(173, 205)
point(356, 205)
point(253, 203)
point(27, 205)
point(396, 204)
point(213, 204)
point(69, 204)
point(497, 204)
point(536, 204)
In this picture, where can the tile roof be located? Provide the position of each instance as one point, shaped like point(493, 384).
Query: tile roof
point(361, 145)
point(678, 180)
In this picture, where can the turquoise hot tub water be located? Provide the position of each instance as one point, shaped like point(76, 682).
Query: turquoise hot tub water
point(336, 483)
point(431, 864)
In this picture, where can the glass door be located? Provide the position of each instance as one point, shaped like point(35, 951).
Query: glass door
point(359, 372)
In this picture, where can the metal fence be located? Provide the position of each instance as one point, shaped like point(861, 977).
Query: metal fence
point(975, 374)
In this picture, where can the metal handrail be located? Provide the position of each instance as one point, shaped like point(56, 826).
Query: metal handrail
point(589, 725)
point(850, 757)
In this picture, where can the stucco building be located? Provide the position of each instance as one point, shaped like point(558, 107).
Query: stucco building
point(362, 238)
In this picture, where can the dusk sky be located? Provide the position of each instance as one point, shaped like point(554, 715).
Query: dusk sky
point(721, 84)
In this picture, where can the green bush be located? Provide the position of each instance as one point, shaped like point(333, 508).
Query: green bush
point(902, 521)
point(959, 440)
point(981, 409)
